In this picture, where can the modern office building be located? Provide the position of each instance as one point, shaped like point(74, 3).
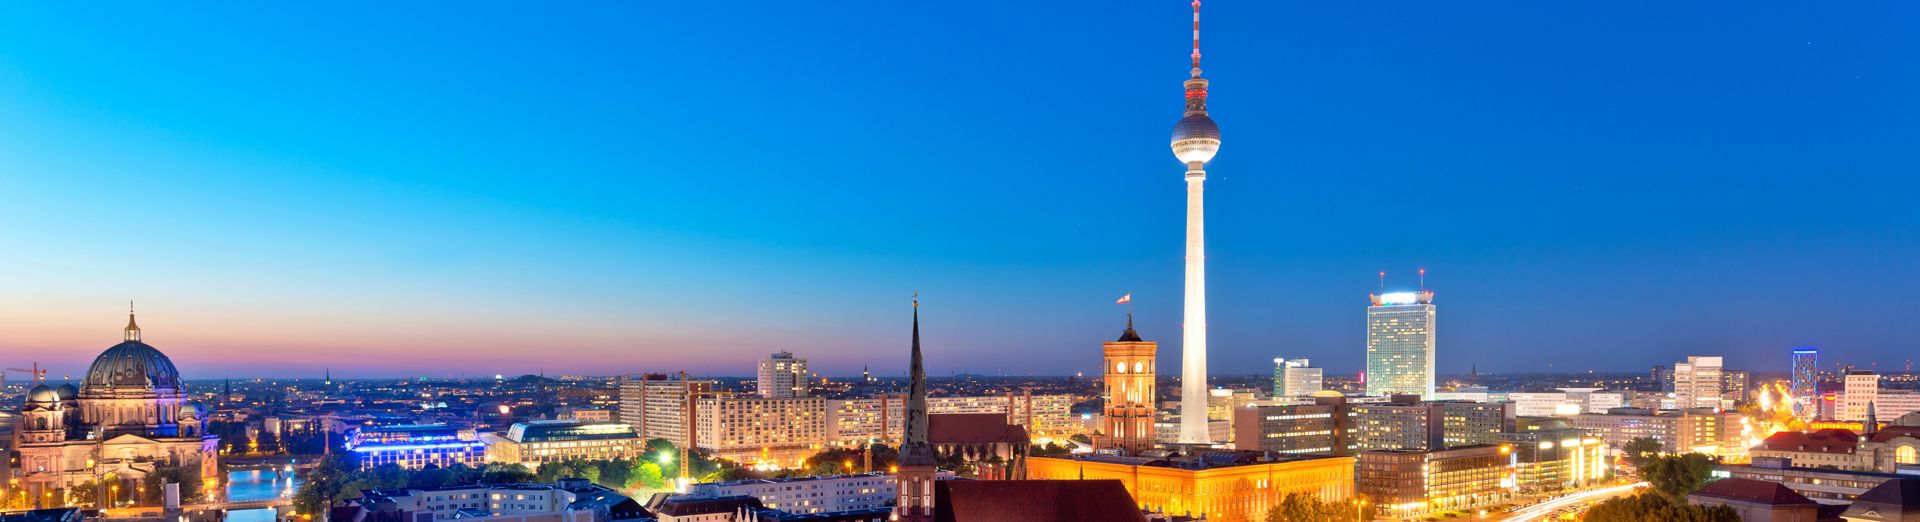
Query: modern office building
point(1697, 382)
point(1128, 394)
point(1295, 378)
point(1475, 423)
point(782, 375)
point(1223, 487)
point(1400, 344)
point(1861, 387)
point(533, 443)
point(1293, 429)
point(1734, 387)
point(655, 404)
point(1804, 382)
point(1398, 425)
point(1413, 483)
point(780, 432)
point(416, 446)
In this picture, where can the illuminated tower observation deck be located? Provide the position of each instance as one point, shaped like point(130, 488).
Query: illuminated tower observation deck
point(1195, 140)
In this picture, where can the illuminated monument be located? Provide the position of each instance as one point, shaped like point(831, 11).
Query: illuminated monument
point(1129, 393)
point(1195, 140)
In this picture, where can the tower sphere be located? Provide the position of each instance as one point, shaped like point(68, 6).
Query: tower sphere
point(1195, 139)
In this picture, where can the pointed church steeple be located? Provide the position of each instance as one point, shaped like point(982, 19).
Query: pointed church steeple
point(913, 483)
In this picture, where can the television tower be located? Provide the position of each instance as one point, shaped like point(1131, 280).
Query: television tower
point(1195, 140)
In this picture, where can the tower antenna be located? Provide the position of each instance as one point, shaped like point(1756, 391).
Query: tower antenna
point(1423, 279)
point(1383, 282)
point(1196, 38)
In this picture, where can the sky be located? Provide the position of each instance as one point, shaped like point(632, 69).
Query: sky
point(473, 188)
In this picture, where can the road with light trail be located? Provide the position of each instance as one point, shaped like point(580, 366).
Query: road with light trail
point(1544, 509)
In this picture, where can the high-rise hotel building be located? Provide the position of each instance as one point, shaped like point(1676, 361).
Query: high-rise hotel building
point(1400, 349)
point(782, 375)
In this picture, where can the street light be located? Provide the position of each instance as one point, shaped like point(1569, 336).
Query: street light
point(1358, 505)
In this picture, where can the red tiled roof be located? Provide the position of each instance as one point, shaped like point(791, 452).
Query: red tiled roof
point(1033, 501)
point(1770, 493)
point(1832, 440)
point(973, 428)
point(1893, 432)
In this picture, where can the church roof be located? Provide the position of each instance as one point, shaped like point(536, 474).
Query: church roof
point(973, 428)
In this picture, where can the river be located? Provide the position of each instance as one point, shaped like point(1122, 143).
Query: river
point(258, 485)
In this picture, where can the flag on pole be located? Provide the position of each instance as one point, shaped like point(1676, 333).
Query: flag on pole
point(1125, 299)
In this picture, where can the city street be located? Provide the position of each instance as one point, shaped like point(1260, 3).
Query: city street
point(1544, 510)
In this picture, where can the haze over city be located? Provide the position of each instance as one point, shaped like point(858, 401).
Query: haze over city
point(627, 187)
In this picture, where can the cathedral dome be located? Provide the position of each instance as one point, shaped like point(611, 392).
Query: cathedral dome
point(67, 392)
point(43, 394)
point(132, 365)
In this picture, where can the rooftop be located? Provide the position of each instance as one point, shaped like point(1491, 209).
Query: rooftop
point(1749, 490)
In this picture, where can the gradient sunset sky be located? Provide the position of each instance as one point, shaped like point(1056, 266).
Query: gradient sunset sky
point(606, 187)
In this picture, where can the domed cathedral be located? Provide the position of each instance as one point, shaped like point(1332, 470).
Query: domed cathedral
point(129, 417)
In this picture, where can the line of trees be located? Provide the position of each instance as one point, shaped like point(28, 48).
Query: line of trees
point(1296, 507)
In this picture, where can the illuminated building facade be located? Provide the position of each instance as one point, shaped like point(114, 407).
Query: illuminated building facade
point(1405, 483)
point(1400, 425)
point(806, 495)
point(757, 430)
point(1295, 378)
point(1291, 429)
point(1128, 394)
point(1862, 387)
point(416, 446)
point(533, 443)
point(1735, 386)
point(1473, 423)
point(1224, 487)
point(1804, 382)
point(1556, 459)
point(782, 375)
point(130, 414)
point(1697, 382)
point(1697, 430)
point(656, 404)
point(851, 422)
point(1400, 344)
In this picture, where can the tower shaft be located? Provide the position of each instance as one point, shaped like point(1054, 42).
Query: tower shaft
point(1193, 335)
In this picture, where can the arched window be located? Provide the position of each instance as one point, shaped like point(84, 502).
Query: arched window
point(1120, 367)
point(1139, 367)
point(39, 423)
point(1906, 455)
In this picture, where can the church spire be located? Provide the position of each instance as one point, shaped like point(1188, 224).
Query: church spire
point(913, 483)
point(133, 329)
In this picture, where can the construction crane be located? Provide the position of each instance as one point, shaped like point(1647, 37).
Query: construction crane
point(38, 374)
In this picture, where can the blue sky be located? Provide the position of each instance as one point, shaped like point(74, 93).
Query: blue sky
point(485, 188)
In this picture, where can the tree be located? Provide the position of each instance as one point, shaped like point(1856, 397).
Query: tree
point(1296, 507)
point(1676, 476)
point(1641, 450)
point(647, 475)
point(1651, 506)
point(187, 477)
